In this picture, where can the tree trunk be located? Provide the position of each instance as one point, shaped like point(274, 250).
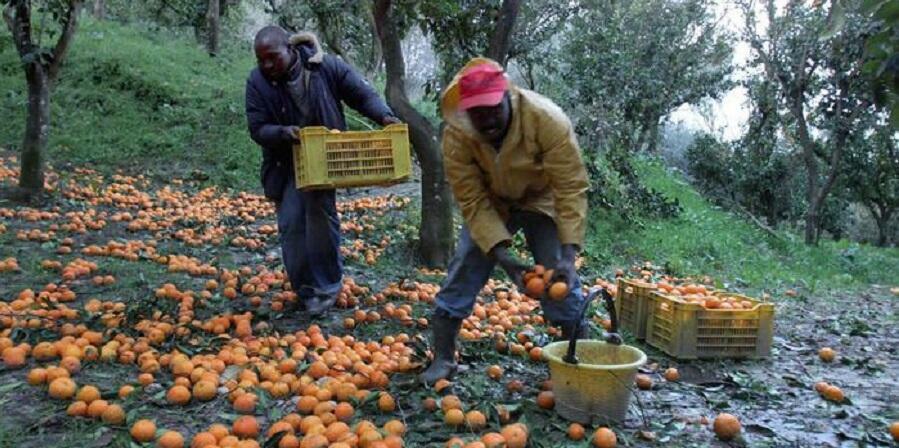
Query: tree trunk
point(501, 39)
point(436, 231)
point(99, 9)
point(213, 27)
point(374, 62)
point(37, 126)
point(882, 216)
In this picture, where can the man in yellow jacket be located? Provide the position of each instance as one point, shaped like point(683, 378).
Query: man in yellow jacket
point(513, 161)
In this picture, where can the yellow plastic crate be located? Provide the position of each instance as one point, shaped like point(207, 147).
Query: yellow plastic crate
point(632, 306)
point(324, 159)
point(690, 331)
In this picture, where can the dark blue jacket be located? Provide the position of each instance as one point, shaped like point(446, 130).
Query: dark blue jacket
point(270, 110)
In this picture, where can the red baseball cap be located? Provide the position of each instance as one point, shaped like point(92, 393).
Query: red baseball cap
point(482, 85)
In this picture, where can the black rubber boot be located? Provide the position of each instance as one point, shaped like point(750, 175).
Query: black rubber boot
point(444, 330)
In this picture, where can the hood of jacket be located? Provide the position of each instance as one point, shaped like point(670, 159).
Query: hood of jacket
point(449, 100)
point(309, 47)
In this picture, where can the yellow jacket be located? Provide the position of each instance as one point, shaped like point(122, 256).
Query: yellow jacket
point(538, 168)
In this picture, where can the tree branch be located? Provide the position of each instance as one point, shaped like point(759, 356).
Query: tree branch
point(500, 40)
point(17, 16)
point(65, 39)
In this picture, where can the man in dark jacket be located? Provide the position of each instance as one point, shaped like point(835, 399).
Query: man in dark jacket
point(296, 85)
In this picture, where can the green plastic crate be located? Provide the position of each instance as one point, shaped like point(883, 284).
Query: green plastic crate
point(690, 331)
point(325, 159)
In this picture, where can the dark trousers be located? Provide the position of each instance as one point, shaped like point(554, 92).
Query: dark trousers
point(470, 269)
point(309, 232)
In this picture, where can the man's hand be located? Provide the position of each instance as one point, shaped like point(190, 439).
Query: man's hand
point(565, 270)
point(292, 133)
point(514, 268)
point(390, 119)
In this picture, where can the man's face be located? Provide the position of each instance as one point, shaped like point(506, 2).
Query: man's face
point(273, 59)
point(491, 122)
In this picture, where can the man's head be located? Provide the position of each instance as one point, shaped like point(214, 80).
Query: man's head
point(273, 55)
point(483, 92)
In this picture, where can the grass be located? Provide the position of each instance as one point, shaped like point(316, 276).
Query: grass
point(705, 239)
point(138, 99)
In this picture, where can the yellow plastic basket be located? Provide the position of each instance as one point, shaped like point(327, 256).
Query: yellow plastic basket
point(690, 331)
point(632, 306)
point(327, 159)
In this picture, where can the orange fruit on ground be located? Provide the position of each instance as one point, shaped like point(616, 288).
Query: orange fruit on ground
point(245, 427)
point(62, 388)
point(644, 382)
point(386, 403)
point(475, 420)
point(113, 415)
point(305, 405)
point(70, 363)
point(88, 394)
point(454, 417)
point(429, 404)
point(280, 426)
point(535, 287)
point(145, 379)
point(726, 426)
point(203, 439)
point(245, 404)
point(604, 438)
point(344, 412)
point(516, 435)
point(289, 441)
point(14, 358)
point(493, 440)
point(97, 408)
point(475, 444)
point(820, 386)
point(318, 369)
point(441, 384)
point(558, 291)
point(827, 354)
point(36, 377)
point(671, 374)
point(77, 409)
point(450, 402)
point(494, 372)
point(204, 390)
point(125, 391)
point(143, 431)
point(391, 441)
point(575, 431)
point(179, 395)
point(170, 439)
point(546, 399)
point(367, 439)
point(395, 427)
point(536, 354)
point(894, 431)
point(336, 431)
point(834, 394)
point(455, 442)
point(219, 430)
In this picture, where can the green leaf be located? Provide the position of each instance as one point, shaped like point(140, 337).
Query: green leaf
point(837, 21)
point(869, 6)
